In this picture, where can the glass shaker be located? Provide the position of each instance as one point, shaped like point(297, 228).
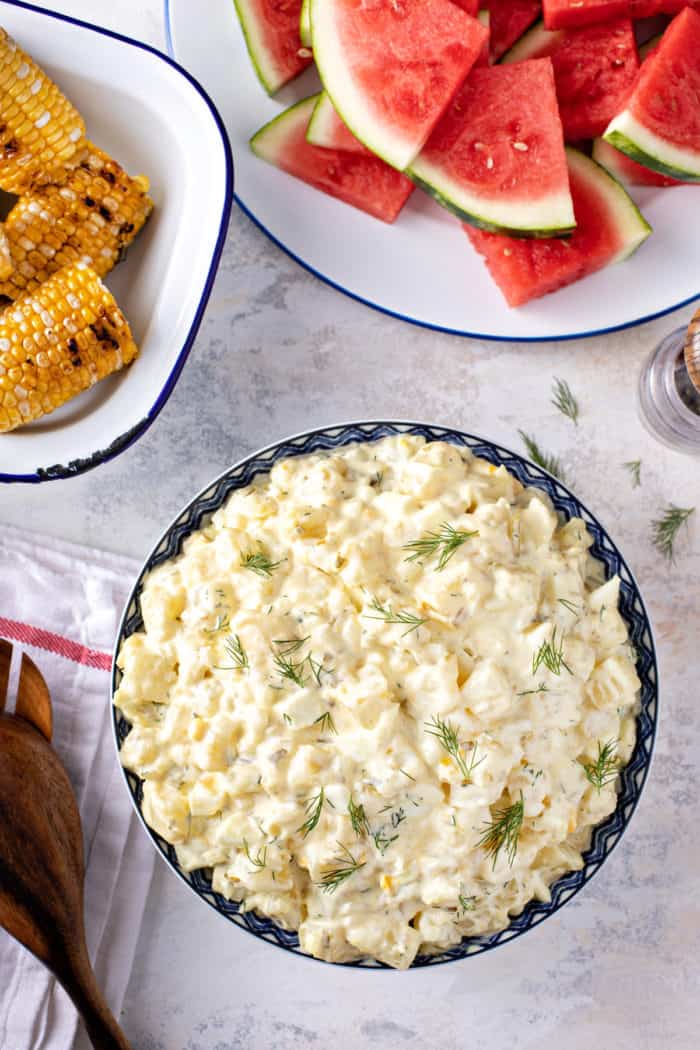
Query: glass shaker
point(669, 390)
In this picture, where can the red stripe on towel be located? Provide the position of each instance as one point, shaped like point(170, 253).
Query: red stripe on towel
point(54, 643)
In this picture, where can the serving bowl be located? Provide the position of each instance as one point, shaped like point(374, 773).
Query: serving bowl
point(605, 836)
point(154, 119)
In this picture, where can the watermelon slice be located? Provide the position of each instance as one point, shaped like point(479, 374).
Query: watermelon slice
point(626, 170)
point(610, 228)
point(305, 23)
point(567, 14)
point(271, 31)
point(391, 67)
point(594, 70)
point(509, 20)
point(326, 129)
point(365, 182)
point(496, 159)
point(660, 126)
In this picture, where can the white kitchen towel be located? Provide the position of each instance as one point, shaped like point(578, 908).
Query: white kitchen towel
point(61, 604)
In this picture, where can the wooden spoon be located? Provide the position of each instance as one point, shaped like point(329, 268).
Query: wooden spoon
point(42, 868)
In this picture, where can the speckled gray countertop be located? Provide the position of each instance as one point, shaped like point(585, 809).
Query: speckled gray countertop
point(278, 352)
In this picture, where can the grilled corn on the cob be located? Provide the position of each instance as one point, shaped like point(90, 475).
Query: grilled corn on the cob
point(5, 257)
point(41, 132)
point(91, 218)
point(57, 342)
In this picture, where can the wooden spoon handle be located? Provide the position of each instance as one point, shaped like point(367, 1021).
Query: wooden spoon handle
point(102, 1028)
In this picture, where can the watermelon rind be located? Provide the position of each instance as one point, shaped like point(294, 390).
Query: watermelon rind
point(263, 62)
point(268, 140)
point(305, 23)
point(322, 128)
point(629, 135)
point(532, 44)
point(632, 227)
point(551, 216)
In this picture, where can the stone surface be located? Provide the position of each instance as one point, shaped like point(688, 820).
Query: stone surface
point(279, 352)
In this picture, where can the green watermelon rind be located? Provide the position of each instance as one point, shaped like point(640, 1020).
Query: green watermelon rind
point(531, 44)
point(630, 137)
point(555, 217)
point(318, 132)
point(631, 225)
point(305, 23)
point(266, 70)
point(274, 132)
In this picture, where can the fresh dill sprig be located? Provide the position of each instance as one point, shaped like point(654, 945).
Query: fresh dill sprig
point(260, 858)
point(382, 841)
point(358, 818)
point(408, 775)
point(605, 768)
point(286, 668)
point(221, 624)
point(290, 645)
point(387, 614)
point(446, 734)
point(288, 718)
point(574, 609)
point(467, 903)
point(317, 669)
point(259, 563)
point(346, 865)
point(313, 809)
point(665, 529)
point(551, 654)
point(503, 831)
point(564, 400)
point(326, 723)
point(549, 463)
point(398, 817)
point(635, 468)
point(235, 652)
point(443, 543)
point(541, 688)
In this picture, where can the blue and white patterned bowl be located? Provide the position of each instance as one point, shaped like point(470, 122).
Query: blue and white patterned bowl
point(605, 837)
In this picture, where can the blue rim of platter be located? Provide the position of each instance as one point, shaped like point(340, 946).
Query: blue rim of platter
point(125, 440)
point(606, 835)
point(563, 337)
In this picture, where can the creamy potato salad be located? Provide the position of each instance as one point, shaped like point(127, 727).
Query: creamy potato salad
point(383, 698)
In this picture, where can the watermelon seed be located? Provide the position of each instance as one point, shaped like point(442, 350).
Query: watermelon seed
point(520, 146)
point(507, 251)
point(304, 52)
point(489, 163)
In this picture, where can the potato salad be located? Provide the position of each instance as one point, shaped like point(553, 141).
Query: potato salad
point(382, 698)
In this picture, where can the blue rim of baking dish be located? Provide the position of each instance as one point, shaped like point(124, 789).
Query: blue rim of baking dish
point(605, 836)
point(79, 466)
point(564, 337)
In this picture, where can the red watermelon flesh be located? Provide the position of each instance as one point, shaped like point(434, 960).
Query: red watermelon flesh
point(666, 96)
point(391, 67)
point(364, 182)
point(271, 29)
point(566, 14)
point(595, 68)
point(497, 156)
point(526, 270)
point(509, 19)
point(470, 6)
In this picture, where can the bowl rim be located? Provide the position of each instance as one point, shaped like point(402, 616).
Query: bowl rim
point(335, 431)
point(124, 441)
